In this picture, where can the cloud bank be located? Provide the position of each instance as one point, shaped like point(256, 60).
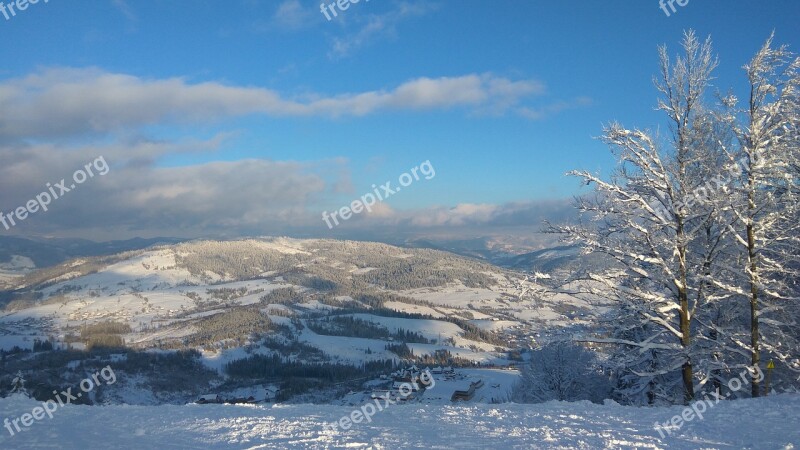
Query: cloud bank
point(65, 102)
point(54, 121)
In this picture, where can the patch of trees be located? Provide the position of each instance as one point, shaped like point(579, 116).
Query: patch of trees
point(440, 357)
point(168, 371)
point(180, 372)
point(107, 327)
point(5, 354)
point(471, 332)
point(443, 357)
point(237, 260)
point(281, 296)
point(237, 324)
point(377, 299)
point(47, 362)
point(475, 333)
point(193, 295)
point(227, 294)
point(402, 350)
point(412, 273)
point(42, 346)
point(104, 334)
point(360, 328)
point(298, 377)
point(262, 367)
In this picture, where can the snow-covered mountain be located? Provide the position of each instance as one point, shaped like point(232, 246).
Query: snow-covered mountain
point(339, 302)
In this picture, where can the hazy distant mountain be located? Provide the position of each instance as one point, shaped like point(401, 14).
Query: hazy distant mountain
point(534, 252)
point(545, 260)
point(558, 261)
point(496, 248)
point(49, 252)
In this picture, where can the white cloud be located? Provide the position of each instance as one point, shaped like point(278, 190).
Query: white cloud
point(66, 102)
point(245, 197)
point(291, 15)
point(466, 215)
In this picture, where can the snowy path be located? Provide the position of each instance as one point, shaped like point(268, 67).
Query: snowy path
point(772, 423)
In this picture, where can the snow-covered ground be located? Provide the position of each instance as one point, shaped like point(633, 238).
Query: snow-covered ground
point(15, 268)
point(769, 423)
point(497, 387)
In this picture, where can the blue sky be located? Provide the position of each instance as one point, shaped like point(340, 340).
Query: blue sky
point(501, 97)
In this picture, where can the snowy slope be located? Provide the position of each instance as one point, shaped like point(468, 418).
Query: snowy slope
point(15, 268)
point(767, 423)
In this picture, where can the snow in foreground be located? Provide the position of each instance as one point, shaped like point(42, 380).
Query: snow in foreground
point(771, 423)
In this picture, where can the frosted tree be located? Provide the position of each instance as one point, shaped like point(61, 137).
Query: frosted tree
point(710, 249)
point(648, 216)
point(633, 369)
point(765, 205)
point(561, 371)
point(18, 384)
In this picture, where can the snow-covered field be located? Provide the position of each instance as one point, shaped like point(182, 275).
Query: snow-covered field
point(770, 423)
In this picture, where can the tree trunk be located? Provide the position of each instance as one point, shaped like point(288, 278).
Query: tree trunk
point(755, 360)
point(686, 336)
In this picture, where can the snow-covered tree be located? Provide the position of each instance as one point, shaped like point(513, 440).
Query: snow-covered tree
point(646, 218)
point(765, 204)
point(561, 371)
point(18, 384)
point(633, 369)
point(702, 230)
